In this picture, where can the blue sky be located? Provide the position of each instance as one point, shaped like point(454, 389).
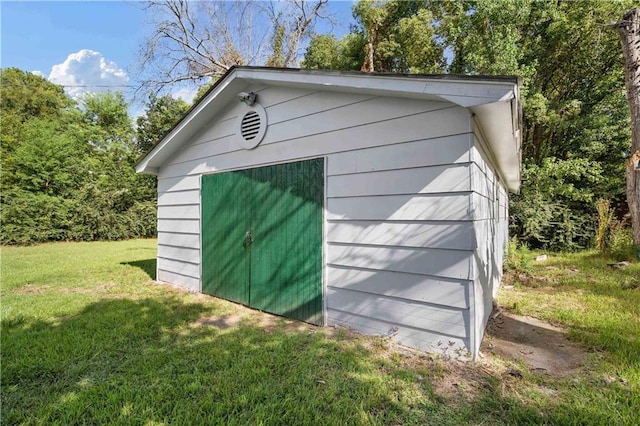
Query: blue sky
point(103, 38)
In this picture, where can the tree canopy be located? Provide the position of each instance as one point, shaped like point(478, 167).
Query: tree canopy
point(576, 128)
point(68, 168)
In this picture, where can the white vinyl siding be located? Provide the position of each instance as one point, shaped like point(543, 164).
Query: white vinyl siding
point(399, 212)
point(491, 232)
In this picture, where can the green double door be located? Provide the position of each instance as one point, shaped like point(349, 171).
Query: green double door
point(262, 238)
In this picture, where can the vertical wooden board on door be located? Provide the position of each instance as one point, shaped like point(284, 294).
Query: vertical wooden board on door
point(225, 221)
point(286, 258)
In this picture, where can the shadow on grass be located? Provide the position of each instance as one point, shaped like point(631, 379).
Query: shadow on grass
point(147, 265)
point(141, 361)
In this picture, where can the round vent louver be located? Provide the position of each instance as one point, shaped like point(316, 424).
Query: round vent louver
point(252, 125)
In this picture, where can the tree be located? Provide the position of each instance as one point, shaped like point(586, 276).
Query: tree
point(161, 114)
point(67, 173)
point(194, 41)
point(629, 30)
point(325, 52)
point(575, 135)
point(25, 96)
point(28, 95)
point(399, 37)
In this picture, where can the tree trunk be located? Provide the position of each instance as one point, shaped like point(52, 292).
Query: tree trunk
point(629, 30)
point(367, 65)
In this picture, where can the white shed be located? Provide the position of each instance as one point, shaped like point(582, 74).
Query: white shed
point(377, 202)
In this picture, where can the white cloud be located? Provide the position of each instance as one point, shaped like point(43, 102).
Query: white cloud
point(39, 74)
point(185, 93)
point(90, 70)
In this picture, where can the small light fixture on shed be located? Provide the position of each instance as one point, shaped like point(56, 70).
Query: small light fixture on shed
point(247, 98)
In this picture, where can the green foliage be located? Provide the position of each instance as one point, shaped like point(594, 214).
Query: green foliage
point(325, 52)
point(606, 223)
point(107, 118)
point(518, 257)
point(576, 132)
point(322, 53)
point(27, 95)
point(554, 210)
point(621, 244)
point(277, 49)
point(162, 113)
point(67, 173)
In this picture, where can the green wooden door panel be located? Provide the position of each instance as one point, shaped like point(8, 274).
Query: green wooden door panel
point(282, 206)
point(286, 259)
point(225, 221)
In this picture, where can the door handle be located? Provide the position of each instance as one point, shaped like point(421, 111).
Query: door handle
point(248, 239)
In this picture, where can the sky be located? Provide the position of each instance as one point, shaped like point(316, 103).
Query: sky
point(92, 45)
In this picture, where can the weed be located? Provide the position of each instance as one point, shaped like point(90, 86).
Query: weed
point(518, 257)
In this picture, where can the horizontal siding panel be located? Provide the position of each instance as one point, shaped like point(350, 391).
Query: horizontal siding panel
point(358, 116)
point(189, 283)
point(419, 339)
point(222, 128)
point(437, 151)
point(313, 104)
point(178, 267)
point(181, 197)
point(179, 212)
point(478, 156)
point(450, 235)
point(435, 124)
point(220, 138)
point(191, 241)
point(183, 254)
point(400, 207)
point(275, 95)
point(434, 262)
point(482, 207)
point(442, 150)
point(450, 322)
point(482, 184)
point(336, 120)
point(191, 226)
point(454, 293)
point(181, 183)
point(422, 180)
point(215, 147)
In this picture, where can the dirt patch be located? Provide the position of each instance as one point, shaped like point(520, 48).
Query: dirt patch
point(269, 323)
point(32, 289)
point(222, 323)
point(542, 347)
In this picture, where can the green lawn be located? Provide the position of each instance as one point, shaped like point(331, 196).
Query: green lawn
point(89, 338)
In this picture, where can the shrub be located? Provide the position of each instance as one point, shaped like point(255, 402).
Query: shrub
point(621, 244)
point(606, 221)
point(518, 257)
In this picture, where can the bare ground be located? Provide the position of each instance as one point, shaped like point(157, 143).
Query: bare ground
point(542, 347)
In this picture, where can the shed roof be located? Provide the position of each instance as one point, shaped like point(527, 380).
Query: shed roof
point(494, 101)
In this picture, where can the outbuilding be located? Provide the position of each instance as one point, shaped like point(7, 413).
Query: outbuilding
point(377, 202)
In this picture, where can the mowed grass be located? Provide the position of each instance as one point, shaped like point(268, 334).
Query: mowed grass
point(89, 338)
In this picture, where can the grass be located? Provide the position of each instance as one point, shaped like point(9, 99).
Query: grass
point(89, 338)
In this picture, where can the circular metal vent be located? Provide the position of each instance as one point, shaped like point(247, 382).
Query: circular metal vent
point(252, 125)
